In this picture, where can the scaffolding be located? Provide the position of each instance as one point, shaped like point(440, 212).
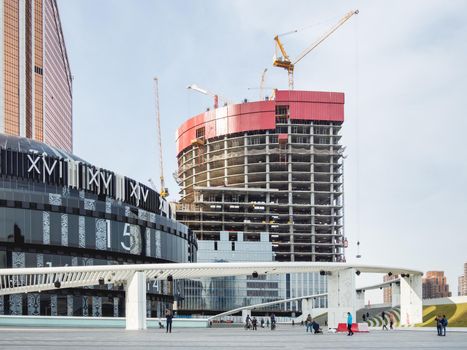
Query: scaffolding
point(287, 182)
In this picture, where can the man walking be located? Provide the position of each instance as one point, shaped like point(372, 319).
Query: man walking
point(349, 323)
point(273, 322)
point(248, 322)
point(383, 316)
point(438, 324)
point(254, 322)
point(308, 323)
point(391, 320)
point(444, 324)
point(168, 321)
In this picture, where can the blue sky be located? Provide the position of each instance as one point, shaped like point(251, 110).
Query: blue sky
point(401, 65)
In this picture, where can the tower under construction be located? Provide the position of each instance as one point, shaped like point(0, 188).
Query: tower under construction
point(267, 171)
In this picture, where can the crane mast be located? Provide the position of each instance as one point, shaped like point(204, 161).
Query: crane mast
point(164, 191)
point(285, 62)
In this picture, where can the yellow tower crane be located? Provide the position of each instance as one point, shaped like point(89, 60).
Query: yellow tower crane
point(283, 60)
point(164, 191)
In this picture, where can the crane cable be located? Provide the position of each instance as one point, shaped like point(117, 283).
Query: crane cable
point(357, 149)
point(316, 24)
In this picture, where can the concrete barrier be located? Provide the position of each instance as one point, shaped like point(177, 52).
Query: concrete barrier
point(356, 327)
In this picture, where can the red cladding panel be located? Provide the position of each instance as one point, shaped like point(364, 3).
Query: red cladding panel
point(309, 96)
point(250, 122)
point(309, 105)
point(313, 105)
point(228, 120)
point(222, 127)
point(316, 111)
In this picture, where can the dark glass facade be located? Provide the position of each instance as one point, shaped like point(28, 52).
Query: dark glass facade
point(91, 216)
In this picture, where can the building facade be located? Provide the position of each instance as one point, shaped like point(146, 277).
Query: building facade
point(35, 77)
point(462, 285)
point(57, 210)
point(387, 292)
point(435, 285)
point(269, 169)
point(214, 295)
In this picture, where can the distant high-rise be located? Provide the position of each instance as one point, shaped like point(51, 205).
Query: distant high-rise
point(435, 285)
point(462, 286)
point(35, 77)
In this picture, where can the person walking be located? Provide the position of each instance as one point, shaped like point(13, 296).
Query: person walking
point(248, 322)
point(267, 322)
point(273, 322)
point(391, 321)
point(262, 322)
point(438, 324)
point(383, 316)
point(168, 321)
point(444, 324)
point(254, 322)
point(349, 323)
point(308, 323)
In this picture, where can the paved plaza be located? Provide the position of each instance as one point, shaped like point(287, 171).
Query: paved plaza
point(285, 337)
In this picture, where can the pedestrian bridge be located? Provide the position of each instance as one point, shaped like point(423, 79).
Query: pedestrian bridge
point(342, 295)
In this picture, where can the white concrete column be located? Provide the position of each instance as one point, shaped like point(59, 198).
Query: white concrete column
point(395, 294)
point(135, 302)
point(411, 300)
point(341, 297)
point(360, 300)
point(306, 309)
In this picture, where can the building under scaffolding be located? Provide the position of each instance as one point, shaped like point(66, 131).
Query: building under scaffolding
point(267, 170)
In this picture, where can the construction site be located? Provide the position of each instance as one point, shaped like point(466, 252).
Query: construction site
point(270, 166)
point(262, 181)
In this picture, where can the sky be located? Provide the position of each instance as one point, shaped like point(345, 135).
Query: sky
point(402, 67)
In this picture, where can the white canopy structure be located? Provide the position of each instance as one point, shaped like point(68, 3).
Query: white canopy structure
point(341, 282)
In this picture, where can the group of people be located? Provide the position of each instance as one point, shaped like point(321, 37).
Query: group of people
point(441, 324)
point(391, 321)
point(390, 316)
point(252, 323)
point(312, 326)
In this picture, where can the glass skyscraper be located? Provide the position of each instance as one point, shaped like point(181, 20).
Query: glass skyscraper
point(36, 82)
